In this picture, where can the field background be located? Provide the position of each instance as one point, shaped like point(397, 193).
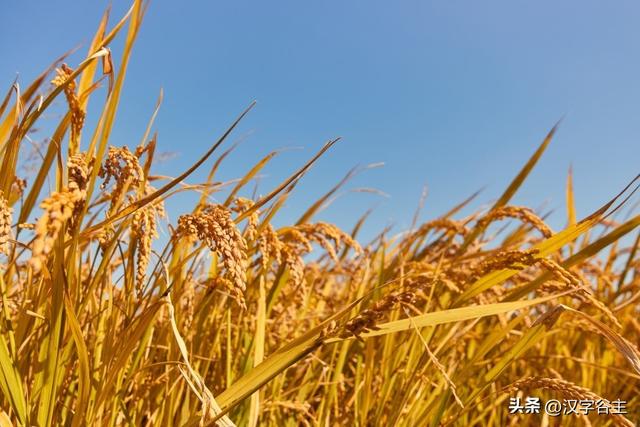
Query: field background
point(209, 271)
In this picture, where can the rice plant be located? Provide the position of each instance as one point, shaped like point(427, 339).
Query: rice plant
point(231, 320)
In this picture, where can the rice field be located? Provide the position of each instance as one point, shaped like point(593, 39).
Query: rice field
point(234, 321)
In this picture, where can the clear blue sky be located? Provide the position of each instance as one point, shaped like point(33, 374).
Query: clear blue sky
point(449, 94)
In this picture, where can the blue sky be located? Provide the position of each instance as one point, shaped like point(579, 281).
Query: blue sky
point(449, 94)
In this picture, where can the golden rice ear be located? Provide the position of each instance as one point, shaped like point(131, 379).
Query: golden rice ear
point(158, 193)
point(215, 227)
point(6, 215)
point(57, 210)
point(522, 213)
point(515, 184)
